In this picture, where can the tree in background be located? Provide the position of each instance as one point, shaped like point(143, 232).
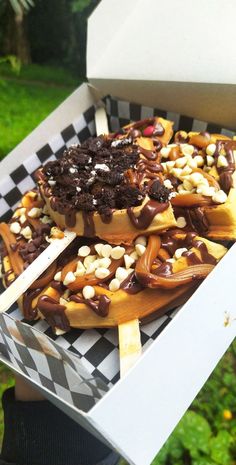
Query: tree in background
point(15, 39)
point(58, 32)
point(54, 32)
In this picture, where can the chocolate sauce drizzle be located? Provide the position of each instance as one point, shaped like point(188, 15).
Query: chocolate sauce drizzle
point(53, 312)
point(100, 304)
point(89, 227)
point(28, 297)
point(147, 214)
point(131, 285)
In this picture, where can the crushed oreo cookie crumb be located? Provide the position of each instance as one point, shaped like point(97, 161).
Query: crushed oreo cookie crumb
point(159, 192)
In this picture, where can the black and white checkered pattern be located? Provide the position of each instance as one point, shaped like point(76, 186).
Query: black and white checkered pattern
point(47, 363)
point(97, 348)
point(121, 113)
point(13, 186)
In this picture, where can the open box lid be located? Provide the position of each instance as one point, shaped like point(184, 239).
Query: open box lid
point(172, 55)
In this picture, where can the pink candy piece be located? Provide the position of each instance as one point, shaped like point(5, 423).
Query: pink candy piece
point(148, 131)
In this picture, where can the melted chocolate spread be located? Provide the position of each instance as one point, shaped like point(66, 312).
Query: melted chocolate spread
point(28, 297)
point(147, 214)
point(53, 312)
point(131, 285)
point(100, 306)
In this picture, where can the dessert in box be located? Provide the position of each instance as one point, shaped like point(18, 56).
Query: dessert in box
point(115, 187)
point(98, 347)
point(181, 348)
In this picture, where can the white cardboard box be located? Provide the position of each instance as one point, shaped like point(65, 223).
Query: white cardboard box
point(138, 413)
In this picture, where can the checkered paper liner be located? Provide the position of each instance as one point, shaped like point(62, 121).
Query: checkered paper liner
point(82, 364)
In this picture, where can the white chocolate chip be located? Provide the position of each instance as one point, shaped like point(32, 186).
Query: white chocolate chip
point(80, 269)
point(192, 163)
point(89, 259)
point(187, 149)
point(23, 219)
point(57, 276)
point(187, 185)
point(98, 248)
point(179, 252)
point(46, 220)
point(26, 232)
point(210, 150)
point(114, 285)
point(15, 227)
point(165, 151)
point(181, 162)
point(222, 161)
point(164, 167)
point(208, 191)
point(91, 268)
point(210, 160)
point(170, 165)
point(88, 292)
point(62, 301)
point(140, 249)
point(219, 197)
point(134, 255)
point(102, 273)
point(195, 178)
point(104, 262)
point(69, 278)
point(167, 183)
point(176, 172)
point(170, 260)
point(142, 240)
point(84, 251)
point(181, 222)
point(186, 171)
point(106, 250)
point(51, 182)
point(129, 261)
point(35, 212)
point(117, 252)
point(121, 274)
point(199, 160)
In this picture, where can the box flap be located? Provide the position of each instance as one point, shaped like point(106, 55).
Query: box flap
point(163, 41)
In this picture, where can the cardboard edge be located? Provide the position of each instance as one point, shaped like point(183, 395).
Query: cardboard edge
point(172, 402)
point(202, 101)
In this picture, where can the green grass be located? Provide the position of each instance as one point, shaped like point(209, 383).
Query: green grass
point(27, 98)
point(46, 74)
point(23, 107)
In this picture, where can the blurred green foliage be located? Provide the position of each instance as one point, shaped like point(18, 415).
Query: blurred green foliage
point(24, 106)
point(6, 380)
point(206, 435)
